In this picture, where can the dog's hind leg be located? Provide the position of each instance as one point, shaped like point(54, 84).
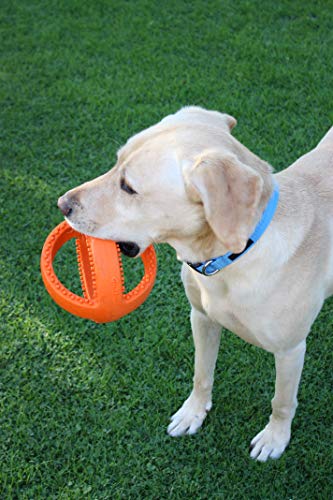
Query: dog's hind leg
point(190, 416)
point(274, 438)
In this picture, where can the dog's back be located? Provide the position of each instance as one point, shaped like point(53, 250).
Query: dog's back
point(311, 178)
point(316, 167)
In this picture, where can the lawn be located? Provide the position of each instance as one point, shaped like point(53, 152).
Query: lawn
point(84, 407)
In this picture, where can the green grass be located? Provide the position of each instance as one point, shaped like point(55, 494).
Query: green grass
point(84, 407)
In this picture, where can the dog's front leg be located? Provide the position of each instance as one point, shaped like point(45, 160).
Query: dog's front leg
point(206, 335)
point(273, 439)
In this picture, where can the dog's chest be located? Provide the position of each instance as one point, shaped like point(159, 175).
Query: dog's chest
point(231, 308)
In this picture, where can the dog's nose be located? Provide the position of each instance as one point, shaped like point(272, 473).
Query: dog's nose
point(65, 205)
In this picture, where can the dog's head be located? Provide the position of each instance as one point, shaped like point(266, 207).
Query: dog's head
point(185, 181)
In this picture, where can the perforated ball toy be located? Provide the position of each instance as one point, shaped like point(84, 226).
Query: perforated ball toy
point(101, 274)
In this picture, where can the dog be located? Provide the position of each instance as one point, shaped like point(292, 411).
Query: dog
point(188, 182)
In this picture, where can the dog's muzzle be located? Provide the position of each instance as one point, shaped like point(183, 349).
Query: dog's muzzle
point(129, 248)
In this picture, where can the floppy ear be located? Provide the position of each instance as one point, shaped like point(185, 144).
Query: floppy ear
point(230, 192)
point(231, 121)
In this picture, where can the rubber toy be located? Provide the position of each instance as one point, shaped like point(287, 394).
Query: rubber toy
point(101, 273)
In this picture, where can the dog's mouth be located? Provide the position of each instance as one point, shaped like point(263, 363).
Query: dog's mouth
point(129, 248)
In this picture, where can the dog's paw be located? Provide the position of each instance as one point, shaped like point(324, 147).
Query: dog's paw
point(270, 442)
point(189, 417)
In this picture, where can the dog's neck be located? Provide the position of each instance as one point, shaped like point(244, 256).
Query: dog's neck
point(199, 248)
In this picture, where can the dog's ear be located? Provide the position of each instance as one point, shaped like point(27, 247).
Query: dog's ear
point(230, 192)
point(231, 121)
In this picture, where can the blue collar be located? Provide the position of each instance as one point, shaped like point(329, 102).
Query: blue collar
point(213, 266)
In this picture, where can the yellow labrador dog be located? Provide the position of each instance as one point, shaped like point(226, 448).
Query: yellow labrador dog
point(256, 247)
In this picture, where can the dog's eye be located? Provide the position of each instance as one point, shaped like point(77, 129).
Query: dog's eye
point(125, 187)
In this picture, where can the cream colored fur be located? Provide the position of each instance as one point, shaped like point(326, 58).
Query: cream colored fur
point(203, 192)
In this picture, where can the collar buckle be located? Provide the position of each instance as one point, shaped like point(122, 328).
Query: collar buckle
point(204, 270)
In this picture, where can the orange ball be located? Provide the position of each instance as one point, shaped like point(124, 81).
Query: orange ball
point(101, 274)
